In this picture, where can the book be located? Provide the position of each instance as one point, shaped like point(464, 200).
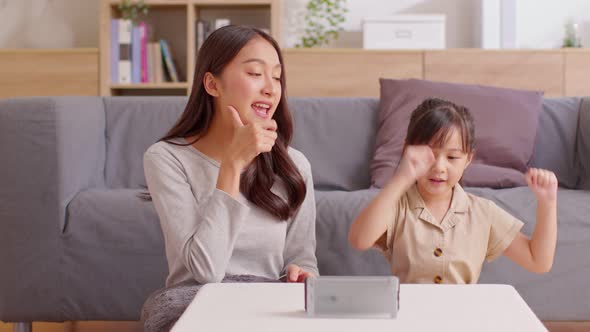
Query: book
point(202, 31)
point(135, 55)
point(114, 51)
point(168, 62)
point(143, 50)
point(124, 63)
point(221, 22)
point(158, 63)
point(150, 63)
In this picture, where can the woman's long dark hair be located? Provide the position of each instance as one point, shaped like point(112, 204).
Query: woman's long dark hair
point(255, 183)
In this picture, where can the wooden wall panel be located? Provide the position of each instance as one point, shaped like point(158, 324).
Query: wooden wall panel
point(48, 72)
point(577, 73)
point(328, 72)
point(520, 69)
point(353, 73)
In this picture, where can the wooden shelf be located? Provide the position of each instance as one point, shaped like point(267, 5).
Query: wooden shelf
point(232, 2)
point(152, 2)
point(168, 85)
point(174, 21)
point(199, 2)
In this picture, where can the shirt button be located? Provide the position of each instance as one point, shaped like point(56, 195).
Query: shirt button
point(438, 280)
point(438, 252)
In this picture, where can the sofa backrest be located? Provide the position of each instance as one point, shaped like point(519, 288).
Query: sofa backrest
point(337, 135)
point(556, 140)
point(132, 125)
point(583, 144)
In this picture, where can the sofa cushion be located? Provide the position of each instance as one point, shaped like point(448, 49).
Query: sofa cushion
point(335, 212)
point(556, 140)
point(556, 295)
point(505, 127)
point(337, 135)
point(132, 125)
point(583, 144)
point(112, 244)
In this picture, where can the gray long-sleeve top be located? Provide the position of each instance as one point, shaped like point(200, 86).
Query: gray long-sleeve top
point(208, 233)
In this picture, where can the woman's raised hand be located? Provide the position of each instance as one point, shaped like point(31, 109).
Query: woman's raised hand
point(249, 140)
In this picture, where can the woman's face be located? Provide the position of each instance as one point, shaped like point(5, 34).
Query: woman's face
point(250, 83)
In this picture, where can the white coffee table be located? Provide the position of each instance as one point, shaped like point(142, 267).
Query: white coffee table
point(279, 307)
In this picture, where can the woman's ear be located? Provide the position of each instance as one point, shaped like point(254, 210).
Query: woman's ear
point(211, 84)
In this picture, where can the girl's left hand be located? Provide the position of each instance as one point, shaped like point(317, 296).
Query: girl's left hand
point(297, 274)
point(543, 184)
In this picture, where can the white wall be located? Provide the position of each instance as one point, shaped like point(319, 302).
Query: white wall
point(74, 23)
point(540, 23)
point(458, 12)
point(458, 15)
point(48, 23)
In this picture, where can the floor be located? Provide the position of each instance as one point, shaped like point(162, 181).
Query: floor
point(92, 326)
point(136, 327)
point(568, 326)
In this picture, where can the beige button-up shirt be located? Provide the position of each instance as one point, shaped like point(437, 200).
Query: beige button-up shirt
point(422, 250)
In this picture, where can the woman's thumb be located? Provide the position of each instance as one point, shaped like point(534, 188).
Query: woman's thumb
point(237, 122)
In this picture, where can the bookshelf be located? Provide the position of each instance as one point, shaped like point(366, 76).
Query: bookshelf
point(175, 22)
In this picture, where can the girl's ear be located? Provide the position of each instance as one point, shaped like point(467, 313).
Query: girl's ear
point(470, 157)
point(211, 84)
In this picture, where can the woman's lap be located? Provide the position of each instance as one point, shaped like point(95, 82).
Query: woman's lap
point(165, 306)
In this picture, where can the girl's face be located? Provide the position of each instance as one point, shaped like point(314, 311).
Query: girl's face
point(450, 162)
point(250, 83)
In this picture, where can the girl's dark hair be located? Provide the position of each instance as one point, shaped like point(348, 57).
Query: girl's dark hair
point(434, 119)
point(255, 183)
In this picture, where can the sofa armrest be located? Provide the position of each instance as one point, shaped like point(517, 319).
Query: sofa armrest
point(583, 143)
point(51, 148)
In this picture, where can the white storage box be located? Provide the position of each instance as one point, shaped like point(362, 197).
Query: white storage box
point(404, 32)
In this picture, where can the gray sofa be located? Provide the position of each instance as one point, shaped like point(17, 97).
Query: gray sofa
point(76, 242)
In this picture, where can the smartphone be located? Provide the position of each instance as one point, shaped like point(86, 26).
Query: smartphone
point(352, 296)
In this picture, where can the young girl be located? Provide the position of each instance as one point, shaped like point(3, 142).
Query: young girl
point(431, 230)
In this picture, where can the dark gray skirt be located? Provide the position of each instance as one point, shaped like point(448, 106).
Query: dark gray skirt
point(165, 306)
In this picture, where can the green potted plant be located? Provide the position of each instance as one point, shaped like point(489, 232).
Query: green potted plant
point(323, 22)
point(131, 10)
point(572, 35)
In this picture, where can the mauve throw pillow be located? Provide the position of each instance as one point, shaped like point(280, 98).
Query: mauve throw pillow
point(506, 123)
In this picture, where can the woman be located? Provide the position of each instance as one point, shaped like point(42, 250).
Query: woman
point(233, 198)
